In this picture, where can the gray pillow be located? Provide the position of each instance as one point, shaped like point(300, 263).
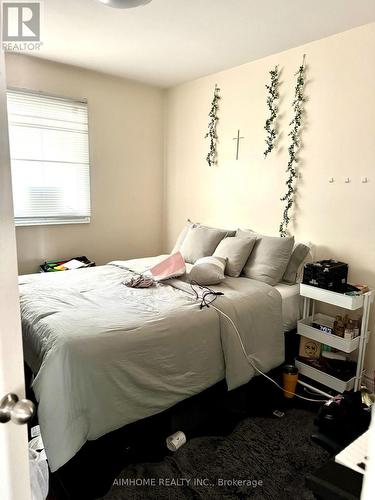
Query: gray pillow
point(269, 258)
point(201, 242)
point(181, 237)
point(208, 271)
point(228, 232)
point(298, 256)
point(236, 251)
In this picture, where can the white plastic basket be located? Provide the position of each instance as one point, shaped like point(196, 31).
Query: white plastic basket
point(39, 475)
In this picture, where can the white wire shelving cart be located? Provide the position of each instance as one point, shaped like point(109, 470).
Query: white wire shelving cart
point(357, 345)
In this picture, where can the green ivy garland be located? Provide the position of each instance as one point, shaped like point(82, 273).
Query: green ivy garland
point(212, 154)
point(272, 98)
point(296, 124)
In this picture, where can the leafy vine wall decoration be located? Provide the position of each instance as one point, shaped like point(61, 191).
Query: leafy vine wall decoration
point(272, 104)
point(296, 124)
point(212, 134)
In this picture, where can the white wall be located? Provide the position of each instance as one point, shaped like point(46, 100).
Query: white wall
point(338, 141)
point(125, 127)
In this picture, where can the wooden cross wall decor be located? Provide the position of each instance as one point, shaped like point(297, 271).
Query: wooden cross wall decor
point(238, 138)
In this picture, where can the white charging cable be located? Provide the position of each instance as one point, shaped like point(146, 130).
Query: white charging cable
point(253, 364)
point(204, 303)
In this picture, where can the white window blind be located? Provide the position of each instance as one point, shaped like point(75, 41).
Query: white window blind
point(49, 152)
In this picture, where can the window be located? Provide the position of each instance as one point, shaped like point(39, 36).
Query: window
point(49, 153)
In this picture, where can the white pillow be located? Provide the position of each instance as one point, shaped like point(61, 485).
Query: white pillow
point(208, 271)
point(181, 237)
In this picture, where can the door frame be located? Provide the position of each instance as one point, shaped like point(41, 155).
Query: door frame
point(14, 461)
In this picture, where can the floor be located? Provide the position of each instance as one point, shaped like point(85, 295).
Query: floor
point(263, 458)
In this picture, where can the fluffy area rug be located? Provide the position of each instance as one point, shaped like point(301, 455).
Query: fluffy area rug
point(263, 458)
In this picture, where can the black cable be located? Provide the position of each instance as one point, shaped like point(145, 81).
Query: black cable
point(206, 293)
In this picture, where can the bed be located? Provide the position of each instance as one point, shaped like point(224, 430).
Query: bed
point(105, 355)
point(291, 305)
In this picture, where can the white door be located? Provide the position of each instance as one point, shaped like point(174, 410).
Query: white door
point(14, 466)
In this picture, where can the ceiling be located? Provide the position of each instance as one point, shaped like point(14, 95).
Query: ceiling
point(171, 41)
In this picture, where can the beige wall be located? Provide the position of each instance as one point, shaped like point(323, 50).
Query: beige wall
point(125, 130)
point(126, 148)
point(338, 141)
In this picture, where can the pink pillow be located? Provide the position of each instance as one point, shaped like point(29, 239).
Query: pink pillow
point(171, 267)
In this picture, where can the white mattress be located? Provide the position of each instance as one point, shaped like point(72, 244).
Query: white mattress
point(291, 305)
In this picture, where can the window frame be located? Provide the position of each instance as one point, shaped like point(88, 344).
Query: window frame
point(50, 221)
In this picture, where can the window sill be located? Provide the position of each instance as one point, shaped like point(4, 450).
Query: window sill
point(41, 222)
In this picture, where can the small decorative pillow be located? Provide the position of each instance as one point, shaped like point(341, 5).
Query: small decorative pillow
point(208, 271)
point(201, 242)
point(236, 250)
point(269, 258)
point(299, 254)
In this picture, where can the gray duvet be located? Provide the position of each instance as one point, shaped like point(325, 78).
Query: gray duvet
point(105, 355)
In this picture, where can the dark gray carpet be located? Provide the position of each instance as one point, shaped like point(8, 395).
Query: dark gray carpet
point(275, 453)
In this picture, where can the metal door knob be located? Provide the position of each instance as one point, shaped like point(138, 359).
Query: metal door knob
point(17, 410)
